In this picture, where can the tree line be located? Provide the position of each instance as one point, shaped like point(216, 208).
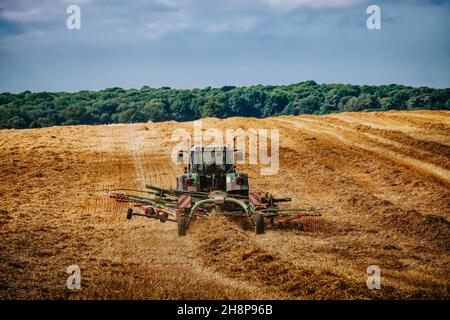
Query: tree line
point(116, 105)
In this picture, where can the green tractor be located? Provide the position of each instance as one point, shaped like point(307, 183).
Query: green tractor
point(210, 185)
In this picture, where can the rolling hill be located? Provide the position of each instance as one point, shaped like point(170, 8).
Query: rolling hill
point(382, 177)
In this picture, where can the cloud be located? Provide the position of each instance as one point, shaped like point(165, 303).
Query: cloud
point(315, 4)
point(22, 15)
point(188, 43)
point(30, 12)
point(159, 25)
point(158, 29)
point(244, 24)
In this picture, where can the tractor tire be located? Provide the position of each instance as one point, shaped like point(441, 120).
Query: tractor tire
point(129, 213)
point(259, 223)
point(182, 226)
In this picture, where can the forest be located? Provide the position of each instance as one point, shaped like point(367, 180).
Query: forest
point(116, 105)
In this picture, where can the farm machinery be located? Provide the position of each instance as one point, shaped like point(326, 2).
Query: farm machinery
point(211, 185)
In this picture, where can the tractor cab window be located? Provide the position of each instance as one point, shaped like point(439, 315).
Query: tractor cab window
point(215, 161)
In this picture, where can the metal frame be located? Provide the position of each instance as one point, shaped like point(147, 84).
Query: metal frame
point(164, 202)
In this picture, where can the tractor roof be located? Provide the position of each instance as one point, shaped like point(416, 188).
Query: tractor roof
point(210, 147)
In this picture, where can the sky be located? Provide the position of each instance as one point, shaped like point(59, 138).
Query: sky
point(200, 43)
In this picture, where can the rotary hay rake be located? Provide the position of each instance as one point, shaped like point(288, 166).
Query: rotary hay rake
point(212, 185)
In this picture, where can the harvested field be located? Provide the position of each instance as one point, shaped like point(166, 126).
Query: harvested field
point(383, 178)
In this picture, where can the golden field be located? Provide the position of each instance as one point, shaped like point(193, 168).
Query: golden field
point(383, 179)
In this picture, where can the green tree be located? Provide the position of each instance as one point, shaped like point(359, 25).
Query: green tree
point(131, 115)
point(327, 108)
point(212, 109)
point(75, 114)
point(447, 105)
point(16, 122)
point(112, 105)
point(156, 110)
point(181, 107)
point(239, 105)
point(363, 102)
point(275, 103)
point(306, 105)
point(387, 103)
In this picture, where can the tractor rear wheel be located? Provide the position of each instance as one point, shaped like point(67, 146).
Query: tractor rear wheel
point(182, 226)
point(259, 223)
point(129, 213)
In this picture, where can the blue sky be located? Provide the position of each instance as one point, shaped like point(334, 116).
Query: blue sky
point(198, 43)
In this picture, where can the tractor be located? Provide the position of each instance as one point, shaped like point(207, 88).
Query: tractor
point(210, 184)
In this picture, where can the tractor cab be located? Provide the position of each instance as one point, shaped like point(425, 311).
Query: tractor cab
point(211, 159)
point(211, 168)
